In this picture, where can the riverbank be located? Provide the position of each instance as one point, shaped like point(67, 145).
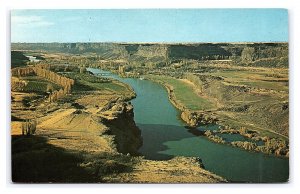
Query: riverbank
point(90, 136)
point(193, 117)
point(250, 138)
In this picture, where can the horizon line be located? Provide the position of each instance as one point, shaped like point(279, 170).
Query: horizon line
point(121, 42)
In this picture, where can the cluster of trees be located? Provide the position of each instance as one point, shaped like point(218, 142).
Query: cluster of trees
point(275, 146)
point(248, 54)
point(247, 145)
point(29, 127)
point(213, 137)
point(121, 70)
point(17, 84)
point(57, 94)
point(42, 70)
point(44, 66)
point(250, 146)
point(22, 71)
point(65, 82)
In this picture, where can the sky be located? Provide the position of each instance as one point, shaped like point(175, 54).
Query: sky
point(150, 25)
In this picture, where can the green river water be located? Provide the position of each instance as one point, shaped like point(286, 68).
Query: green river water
point(165, 136)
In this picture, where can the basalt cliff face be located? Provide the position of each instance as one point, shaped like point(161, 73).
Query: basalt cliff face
point(255, 54)
point(122, 126)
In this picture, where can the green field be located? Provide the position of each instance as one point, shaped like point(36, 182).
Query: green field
point(37, 84)
point(87, 82)
point(112, 86)
point(260, 80)
point(278, 86)
point(185, 94)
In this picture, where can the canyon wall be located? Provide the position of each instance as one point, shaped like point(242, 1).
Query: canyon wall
point(252, 54)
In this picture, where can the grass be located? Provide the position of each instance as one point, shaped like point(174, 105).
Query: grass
point(109, 86)
point(238, 123)
point(87, 82)
point(185, 94)
point(264, 109)
point(263, 80)
point(37, 84)
point(278, 86)
point(34, 160)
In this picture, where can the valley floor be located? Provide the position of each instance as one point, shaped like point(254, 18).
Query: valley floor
point(252, 103)
point(89, 137)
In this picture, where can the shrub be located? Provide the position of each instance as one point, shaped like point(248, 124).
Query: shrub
point(49, 88)
point(29, 127)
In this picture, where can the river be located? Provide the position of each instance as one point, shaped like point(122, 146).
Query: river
point(165, 136)
point(33, 58)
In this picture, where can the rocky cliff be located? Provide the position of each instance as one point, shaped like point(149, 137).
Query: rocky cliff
point(120, 119)
point(272, 54)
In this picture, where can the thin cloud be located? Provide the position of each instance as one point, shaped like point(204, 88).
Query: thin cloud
point(37, 21)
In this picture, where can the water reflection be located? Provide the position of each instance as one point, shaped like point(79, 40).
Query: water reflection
point(166, 136)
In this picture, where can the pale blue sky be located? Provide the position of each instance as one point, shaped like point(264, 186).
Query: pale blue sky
point(150, 25)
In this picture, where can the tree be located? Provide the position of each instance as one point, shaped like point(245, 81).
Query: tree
point(29, 127)
point(248, 54)
point(50, 88)
point(82, 70)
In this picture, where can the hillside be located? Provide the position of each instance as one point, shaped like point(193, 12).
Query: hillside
point(249, 54)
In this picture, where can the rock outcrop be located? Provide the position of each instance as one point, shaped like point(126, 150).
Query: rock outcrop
point(120, 120)
point(247, 52)
point(190, 118)
point(193, 119)
point(176, 170)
